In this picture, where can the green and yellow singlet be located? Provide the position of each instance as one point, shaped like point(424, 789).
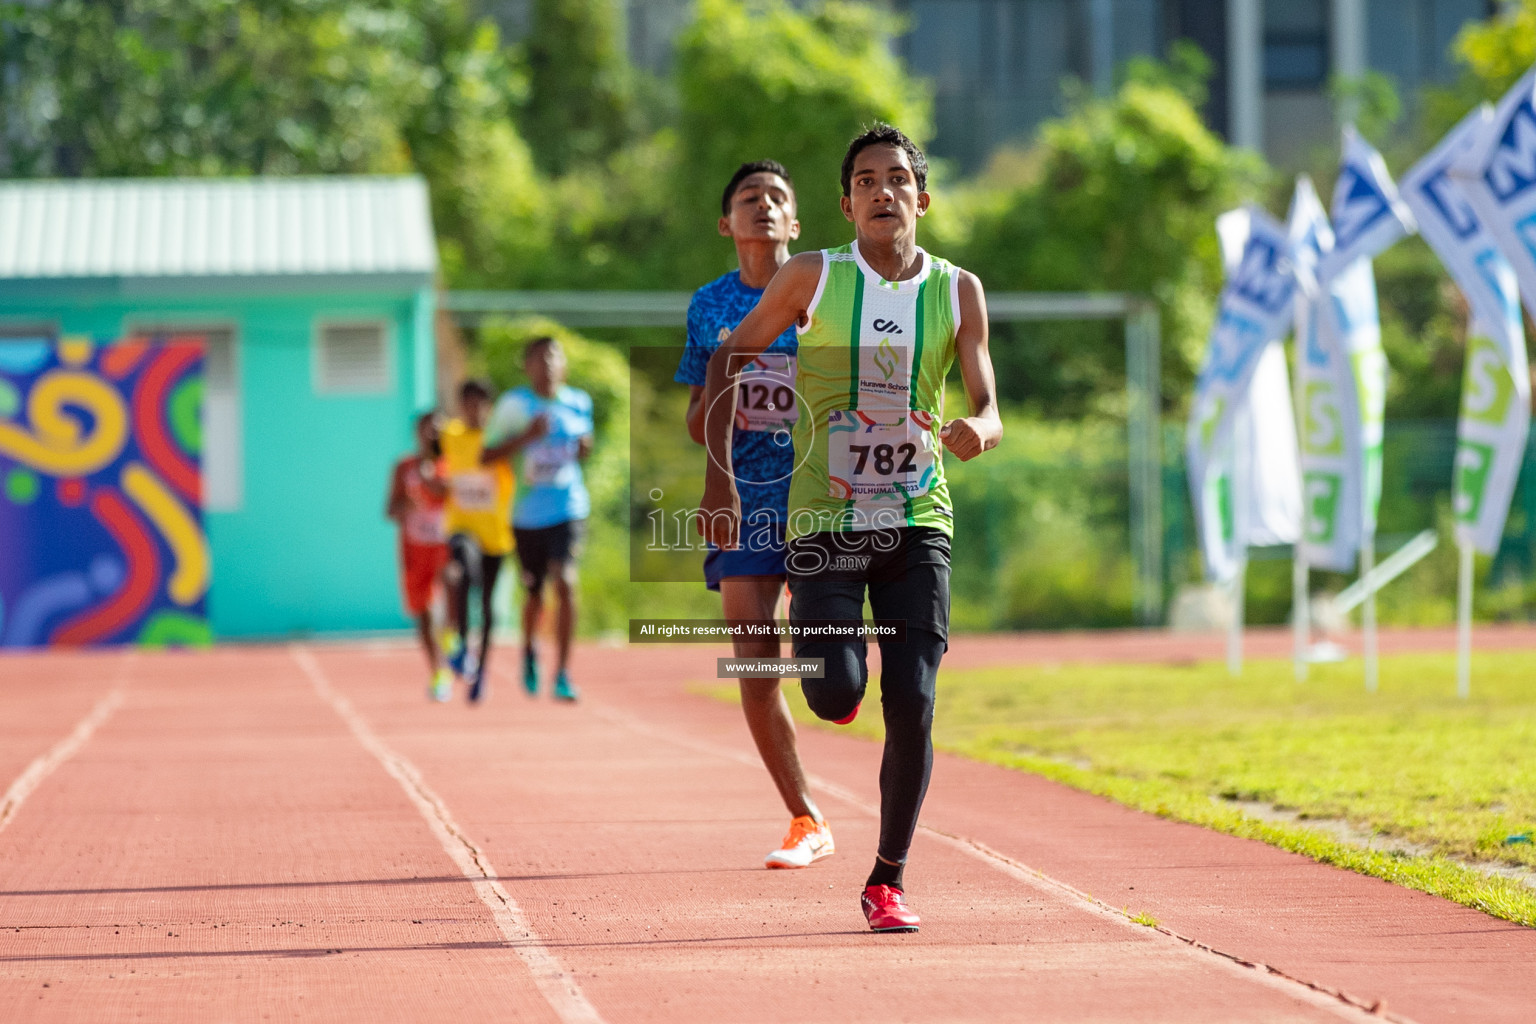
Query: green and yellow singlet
point(870, 381)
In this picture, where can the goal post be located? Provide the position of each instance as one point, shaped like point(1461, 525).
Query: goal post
point(1143, 375)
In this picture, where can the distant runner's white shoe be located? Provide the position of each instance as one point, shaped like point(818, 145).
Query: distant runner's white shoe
point(808, 841)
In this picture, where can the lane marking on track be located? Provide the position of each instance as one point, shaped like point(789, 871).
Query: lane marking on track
point(1337, 1001)
point(555, 984)
point(46, 764)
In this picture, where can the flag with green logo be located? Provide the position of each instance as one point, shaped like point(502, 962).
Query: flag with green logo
point(1254, 309)
point(1343, 369)
point(1495, 395)
point(1327, 394)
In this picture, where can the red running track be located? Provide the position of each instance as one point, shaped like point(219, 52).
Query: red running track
point(280, 833)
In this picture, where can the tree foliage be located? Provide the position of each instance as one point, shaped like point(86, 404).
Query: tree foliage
point(211, 86)
point(751, 80)
point(764, 80)
point(607, 596)
point(1121, 194)
point(232, 87)
point(581, 88)
point(1423, 314)
point(1498, 51)
point(1493, 54)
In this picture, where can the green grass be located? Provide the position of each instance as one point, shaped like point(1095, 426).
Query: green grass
point(1411, 764)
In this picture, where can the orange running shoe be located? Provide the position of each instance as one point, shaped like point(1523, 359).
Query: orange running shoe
point(808, 841)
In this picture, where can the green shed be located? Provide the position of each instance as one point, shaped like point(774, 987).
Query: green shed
point(317, 300)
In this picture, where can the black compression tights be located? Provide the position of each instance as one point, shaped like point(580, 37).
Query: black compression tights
point(475, 571)
point(908, 674)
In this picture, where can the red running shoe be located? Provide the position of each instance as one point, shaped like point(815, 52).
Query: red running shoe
point(886, 910)
point(851, 715)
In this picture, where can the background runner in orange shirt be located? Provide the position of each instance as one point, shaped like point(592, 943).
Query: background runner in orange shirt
point(415, 503)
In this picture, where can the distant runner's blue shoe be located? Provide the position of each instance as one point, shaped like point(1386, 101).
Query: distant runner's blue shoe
point(531, 673)
point(455, 659)
point(563, 688)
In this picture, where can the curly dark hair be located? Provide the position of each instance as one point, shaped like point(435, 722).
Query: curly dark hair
point(882, 134)
point(475, 388)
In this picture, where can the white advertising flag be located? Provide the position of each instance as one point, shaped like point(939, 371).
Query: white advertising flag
point(1497, 174)
point(1273, 478)
point(1343, 369)
point(1255, 308)
point(1367, 211)
point(1333, 438)
point(1327, 393)
point(1310, 235)
point(1495, 398)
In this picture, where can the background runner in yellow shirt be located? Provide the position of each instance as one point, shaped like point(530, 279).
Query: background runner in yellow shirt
point(478, 521)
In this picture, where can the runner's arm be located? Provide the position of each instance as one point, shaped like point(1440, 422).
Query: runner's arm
point(695, 418)
point(512, 445)
point(969, 436)
point(394, 505)
point(434, 484)
point(695, 357)
point(783, 304)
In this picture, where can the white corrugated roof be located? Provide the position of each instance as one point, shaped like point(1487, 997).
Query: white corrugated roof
point(215, 227)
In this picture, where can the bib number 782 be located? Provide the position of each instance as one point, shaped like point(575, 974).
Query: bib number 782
point(885, 457)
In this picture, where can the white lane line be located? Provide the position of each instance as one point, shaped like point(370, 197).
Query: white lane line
point(27, 782)
point(555, 984)
point(1336, 1001)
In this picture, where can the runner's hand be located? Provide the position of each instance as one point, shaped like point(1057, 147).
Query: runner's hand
point(719, 517)
point(584, 446)
point(962, 439)
point(538, 428)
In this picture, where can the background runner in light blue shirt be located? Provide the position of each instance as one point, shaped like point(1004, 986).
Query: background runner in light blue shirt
point(549, 426)
point(550, 486)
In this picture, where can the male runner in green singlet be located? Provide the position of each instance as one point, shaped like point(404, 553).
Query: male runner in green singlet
point(881, 322)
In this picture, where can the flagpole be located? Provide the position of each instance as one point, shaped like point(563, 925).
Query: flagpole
point(1301, 601)
point(1301, 612)
point(1242, 445)
point(1235, 627)
point(1367, 563)
point(1464, 622)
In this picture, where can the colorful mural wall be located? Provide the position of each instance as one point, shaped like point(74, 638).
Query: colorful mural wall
point(101, 531)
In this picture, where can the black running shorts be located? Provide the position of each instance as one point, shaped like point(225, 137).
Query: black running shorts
point(539, 549)
point(904, 570)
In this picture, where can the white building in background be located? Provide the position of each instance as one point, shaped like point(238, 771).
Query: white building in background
point(997, 66)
